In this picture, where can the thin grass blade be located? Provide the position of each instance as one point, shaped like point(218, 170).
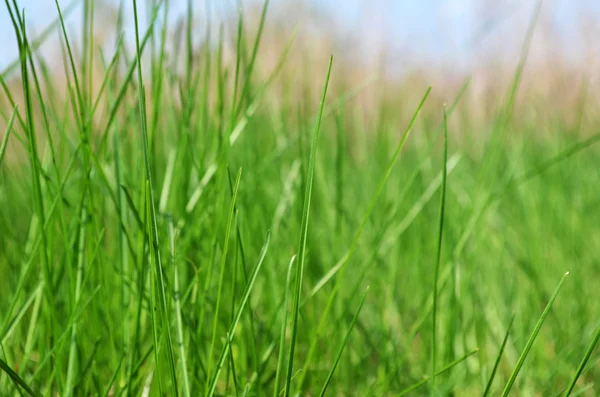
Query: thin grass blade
point(344, 343)
point(340, 268)
point(158, 268)
point(7, 133)
point(440, 372)
point(442, 208)
point(238, 315)
point(488, 387)
point(582, 364)
point(283, 331)
point(304, 232)
point(534, 334)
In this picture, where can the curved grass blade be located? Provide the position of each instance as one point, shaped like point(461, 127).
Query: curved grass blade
point(339, 355)
point(238, 315)
point(488, 387)
point(304, 232)
point(584, 361)
point(534, 334)
point(439, 256)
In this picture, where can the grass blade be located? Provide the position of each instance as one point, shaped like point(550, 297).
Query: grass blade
point(559, 157)
point(238, 315)
point(158, 268)
point(77, 293)
point(339, 354)
point(488, 387)
point(7, 133)
point(42, 38)
point(9, 327)
point(436, 272)
point(250, 67)
point(534, 334)
point(177, 299)
point(440, 372)
point(304, 232)
point(113, 378)
point(283, 331)
point(583, 362)
point(342, 265)
point(226, 239)
point(17, 380)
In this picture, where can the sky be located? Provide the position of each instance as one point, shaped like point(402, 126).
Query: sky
point(441, 30)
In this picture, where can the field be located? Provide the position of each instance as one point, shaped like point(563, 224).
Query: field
point(212, 222)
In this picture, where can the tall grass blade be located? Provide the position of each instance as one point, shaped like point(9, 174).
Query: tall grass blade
point(442, 208)
point(177, 299)
point(158, 268)
point(282, 333)
point(250, 67)
point(339, 268)
point(222, 269)
point(77, 293)
point(304, 233)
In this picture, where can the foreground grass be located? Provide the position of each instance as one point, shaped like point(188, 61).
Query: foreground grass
point(196, 242)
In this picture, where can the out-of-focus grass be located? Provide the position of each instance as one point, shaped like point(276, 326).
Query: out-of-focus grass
point(134, 262)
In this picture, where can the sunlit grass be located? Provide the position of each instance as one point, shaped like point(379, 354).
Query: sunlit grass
point(181, 235)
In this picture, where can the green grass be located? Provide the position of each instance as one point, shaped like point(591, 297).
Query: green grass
point(198, 234)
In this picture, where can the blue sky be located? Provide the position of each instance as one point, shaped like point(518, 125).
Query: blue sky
point(436, 29)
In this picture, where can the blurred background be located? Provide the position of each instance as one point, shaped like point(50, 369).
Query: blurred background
point(452, 34)
point(438, 42)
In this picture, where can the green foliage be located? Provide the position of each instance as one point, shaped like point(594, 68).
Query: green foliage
point(132, 262)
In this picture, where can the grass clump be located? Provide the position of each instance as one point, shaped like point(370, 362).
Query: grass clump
point(137, 258)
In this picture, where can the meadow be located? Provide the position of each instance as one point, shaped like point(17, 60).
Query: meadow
point(186, 220)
